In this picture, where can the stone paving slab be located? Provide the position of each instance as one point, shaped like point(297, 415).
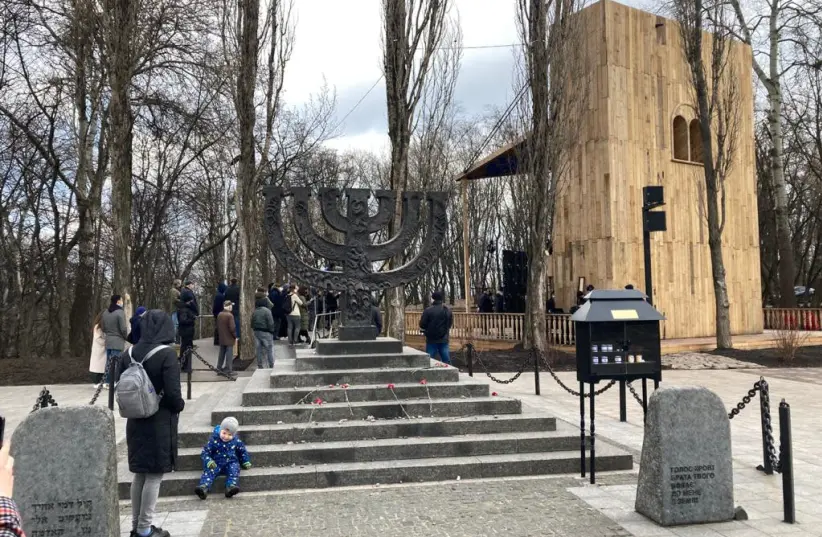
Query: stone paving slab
point(701, 360)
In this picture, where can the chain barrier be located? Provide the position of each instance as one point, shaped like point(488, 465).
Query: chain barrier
point(761, 386)
point(562, 384)
point(44, 400)
point(103, 382)
point(636, 395)
point(211, 367)
point(525, 364)
point(746, 399)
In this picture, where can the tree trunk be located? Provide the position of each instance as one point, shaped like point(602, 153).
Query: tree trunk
point(721, 301)
point(787, 265)
point(121, 27)
point(246, 176)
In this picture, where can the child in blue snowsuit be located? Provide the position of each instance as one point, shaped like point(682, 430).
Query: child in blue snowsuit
point(224, 454)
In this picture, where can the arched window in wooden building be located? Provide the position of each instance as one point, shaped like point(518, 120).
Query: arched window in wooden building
point(681, 150)
point(697, 154)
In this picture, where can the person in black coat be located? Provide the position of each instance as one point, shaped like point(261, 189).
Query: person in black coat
point(276, 298)
point(152, 442)
point(187, 313)
point(435, 322)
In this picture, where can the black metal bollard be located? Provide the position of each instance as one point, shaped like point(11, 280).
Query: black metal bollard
point(582, 429)
point(786, 462)
point(188, 383)
point(623, 410)
point(111, 376)
point(536, 372)
point(765, 417)
point(593, 468)
point(469, 357)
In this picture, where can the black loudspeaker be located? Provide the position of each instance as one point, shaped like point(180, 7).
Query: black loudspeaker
point(514, 280)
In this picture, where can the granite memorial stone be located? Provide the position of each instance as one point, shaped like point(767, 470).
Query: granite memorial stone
point(686, 473)
point(65, 472)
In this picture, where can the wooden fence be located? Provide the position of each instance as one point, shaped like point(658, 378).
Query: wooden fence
point(497, 326)
point(793, 319)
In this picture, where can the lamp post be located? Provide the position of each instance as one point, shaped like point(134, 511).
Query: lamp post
point(652, 221)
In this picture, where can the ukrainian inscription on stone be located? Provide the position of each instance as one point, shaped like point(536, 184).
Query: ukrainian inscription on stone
point(686, 472)
point(65, 472)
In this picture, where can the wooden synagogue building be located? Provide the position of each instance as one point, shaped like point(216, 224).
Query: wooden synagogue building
point(639, 128)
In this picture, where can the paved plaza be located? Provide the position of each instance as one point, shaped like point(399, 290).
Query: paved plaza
point(565, 505)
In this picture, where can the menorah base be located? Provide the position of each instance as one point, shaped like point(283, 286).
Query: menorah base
point(338, 347)
point(357, 333)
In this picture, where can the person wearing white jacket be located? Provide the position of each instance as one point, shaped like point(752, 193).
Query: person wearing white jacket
point(97, 362)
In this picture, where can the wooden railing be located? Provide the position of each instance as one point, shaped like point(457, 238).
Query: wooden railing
point(497, 326)
point(793, 319)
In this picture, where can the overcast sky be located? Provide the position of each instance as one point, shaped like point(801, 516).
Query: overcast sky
point(338, 42)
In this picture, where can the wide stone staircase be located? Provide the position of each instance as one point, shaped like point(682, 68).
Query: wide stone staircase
point(326, 421)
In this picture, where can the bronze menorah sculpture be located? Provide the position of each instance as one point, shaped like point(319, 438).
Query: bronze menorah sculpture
point(357, 279)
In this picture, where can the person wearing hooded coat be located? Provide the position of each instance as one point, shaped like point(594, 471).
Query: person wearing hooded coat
point(152, 441)
point(134, 335)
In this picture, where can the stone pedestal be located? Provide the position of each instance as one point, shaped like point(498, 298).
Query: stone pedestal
point(686, 473)
point(65, 470)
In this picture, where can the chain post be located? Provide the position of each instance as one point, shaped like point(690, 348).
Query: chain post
point(765, 416)
point(112, 375)
point(623, 410)
point(786, 462)
point(536, 371)
point(469, 357)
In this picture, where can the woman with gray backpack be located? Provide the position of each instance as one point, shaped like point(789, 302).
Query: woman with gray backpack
point(149, 395)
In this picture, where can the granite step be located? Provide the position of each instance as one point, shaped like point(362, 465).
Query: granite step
point(404, 408)
point(280, 455)
point(396, 471)
point(254, 435)
point(307, 361)
point(405, 375)
point(364, 392)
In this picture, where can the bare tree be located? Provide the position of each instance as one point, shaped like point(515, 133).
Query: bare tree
point(413, 30)
point(781, 17)
point(715, 91)
point(550, 34)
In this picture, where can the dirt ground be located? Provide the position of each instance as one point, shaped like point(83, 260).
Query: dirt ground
point(513, 360)
point(19, 372)
point(805, 357)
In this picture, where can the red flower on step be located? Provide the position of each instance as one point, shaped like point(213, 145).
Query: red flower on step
point(423, 382)
point(390, 386)
point(494, 394)
point(318, 401)
point(332, 385)
point(345, 386)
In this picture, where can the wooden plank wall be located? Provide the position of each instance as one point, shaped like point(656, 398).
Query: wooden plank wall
point(641, 84)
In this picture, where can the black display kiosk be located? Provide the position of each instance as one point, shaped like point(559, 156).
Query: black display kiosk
point(617, 337)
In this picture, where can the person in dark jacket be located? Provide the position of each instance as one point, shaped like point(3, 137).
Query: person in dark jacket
point(276, 299)
point(499, 302)
point(376, 316)
point(262, 323)
point(435, 323)
point(187, 313)
point(152, 442)
point(485, 304)
point(134, 335)
point(115, 328)
point(233, 294)
point(217, 307)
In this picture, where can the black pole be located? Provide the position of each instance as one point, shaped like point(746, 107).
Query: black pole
point(764, 411)
point(188, 381)
point(623, 410)
point(112, 374)
point(656, 384)
point(536, 372)
point(593, 438)
point(469, 357)
point(646, 247)
point(786, 459)
point(582, 428)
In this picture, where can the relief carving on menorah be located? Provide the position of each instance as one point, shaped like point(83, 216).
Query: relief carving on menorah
point(357, 279)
